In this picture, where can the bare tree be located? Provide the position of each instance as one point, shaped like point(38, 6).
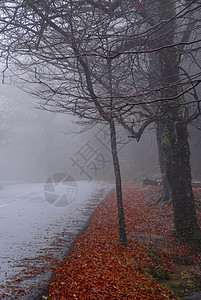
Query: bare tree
point(93, 59)
point(76, 71)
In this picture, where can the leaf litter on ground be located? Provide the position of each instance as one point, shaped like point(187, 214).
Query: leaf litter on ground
point(154, 266)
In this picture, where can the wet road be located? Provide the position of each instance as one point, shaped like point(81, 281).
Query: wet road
point(37, 223)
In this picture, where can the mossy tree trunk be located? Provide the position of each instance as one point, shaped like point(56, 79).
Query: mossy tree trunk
point(175, 135)
point(176, 148)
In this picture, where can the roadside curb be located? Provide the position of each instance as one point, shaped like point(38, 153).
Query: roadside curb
point(88, 208)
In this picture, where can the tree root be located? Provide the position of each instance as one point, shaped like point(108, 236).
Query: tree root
point(163, 200)
point(165, 203)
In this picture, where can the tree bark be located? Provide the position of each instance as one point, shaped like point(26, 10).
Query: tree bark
point(154, 81)
point(121, 218)
point(176, 148)
point(167, 194)
point(175, 136)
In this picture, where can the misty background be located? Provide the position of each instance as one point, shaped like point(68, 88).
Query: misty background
point(36, 144)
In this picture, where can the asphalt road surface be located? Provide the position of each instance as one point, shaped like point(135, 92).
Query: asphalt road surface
point(39, 222)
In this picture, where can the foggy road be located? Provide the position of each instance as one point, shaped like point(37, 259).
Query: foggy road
point(38, 222)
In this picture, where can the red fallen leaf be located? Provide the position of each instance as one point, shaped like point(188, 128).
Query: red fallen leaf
point(21, 291)
point(100, 268)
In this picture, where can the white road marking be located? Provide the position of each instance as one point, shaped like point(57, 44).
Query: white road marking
point(3, 205)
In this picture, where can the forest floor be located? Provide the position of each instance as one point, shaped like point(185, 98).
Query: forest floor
point(154, 266)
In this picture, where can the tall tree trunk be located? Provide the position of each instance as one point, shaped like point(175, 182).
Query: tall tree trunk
point(175, 136)
point(121, 218)
point(166, 195)
point(154, 81)
point(176, 148)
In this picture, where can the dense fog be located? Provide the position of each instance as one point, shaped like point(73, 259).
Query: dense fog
point(36, 144)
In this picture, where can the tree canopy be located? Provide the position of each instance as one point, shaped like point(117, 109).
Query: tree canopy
point(130, 62)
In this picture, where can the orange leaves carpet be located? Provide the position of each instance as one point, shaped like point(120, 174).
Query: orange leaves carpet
point(100, 268)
